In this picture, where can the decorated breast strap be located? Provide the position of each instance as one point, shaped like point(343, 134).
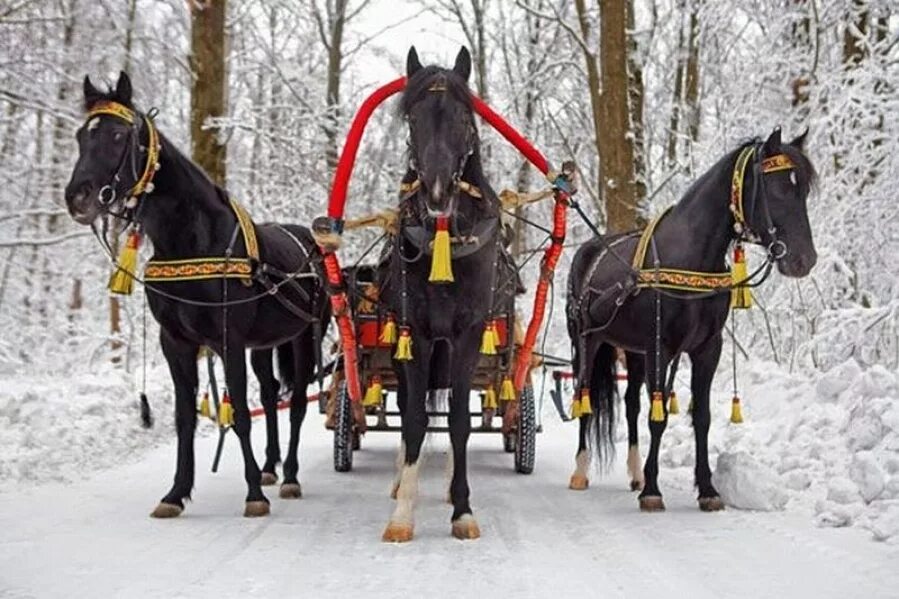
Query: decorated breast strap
point(672, 278)
point(214, 267)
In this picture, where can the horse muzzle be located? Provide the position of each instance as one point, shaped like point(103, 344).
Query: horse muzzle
point(798, 264)
point(82, 203)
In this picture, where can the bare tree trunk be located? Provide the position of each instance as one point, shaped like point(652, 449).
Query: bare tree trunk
point(855, 32)
point(207, 94)
point(617, 155)
point(336, 22)
point(692, 76)
point(635, 97)
point(593, 81)
point(678, 96)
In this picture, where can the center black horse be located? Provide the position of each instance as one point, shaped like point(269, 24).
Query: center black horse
point(446, 319)
point(195, 230)
point(756, 193)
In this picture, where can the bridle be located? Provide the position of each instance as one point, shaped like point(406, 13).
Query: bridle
point(143, 178)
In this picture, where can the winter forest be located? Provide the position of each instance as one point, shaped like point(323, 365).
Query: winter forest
point(643, 95)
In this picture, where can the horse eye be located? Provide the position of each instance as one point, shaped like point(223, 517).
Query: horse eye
point(119, 136)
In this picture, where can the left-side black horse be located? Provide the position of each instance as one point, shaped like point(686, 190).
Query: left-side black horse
point(207, 289)
point(674, 298)
point(445, 319)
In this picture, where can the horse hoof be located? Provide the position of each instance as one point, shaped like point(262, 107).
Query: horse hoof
point(291, 491)
point(256, 509)
point(711, 504)
point(166, 510)
point(636, 485)
point(652, 503)
point(397, 532)
point(466, 528)
point(268, 479)
point(578, 482)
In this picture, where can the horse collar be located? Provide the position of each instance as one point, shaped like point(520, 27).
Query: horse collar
point(463, 245)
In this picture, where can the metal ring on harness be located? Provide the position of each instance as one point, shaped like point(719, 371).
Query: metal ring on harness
point(777, 250)
point(102, 195)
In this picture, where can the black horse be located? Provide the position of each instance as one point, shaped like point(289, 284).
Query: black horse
point(756, 193)
point(208, 289)
point(446, 320)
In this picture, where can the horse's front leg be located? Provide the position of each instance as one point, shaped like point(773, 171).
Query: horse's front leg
point(651, 497)
point(636, 374)
point(705, 362)
point(181, 356)
point(465, 355)
point(236, 378)
point(415, 423)
point(304, 370)
point(583, 365)
point(261, 361)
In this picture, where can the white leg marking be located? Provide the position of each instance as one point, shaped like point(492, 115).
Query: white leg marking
point(582, 463)
point(450, 467)
point(406, 495)
point(635, 464)
point(400, 459)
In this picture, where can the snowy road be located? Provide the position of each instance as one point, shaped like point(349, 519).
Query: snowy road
point(538, 538)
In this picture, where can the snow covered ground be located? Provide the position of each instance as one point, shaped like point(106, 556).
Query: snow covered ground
point(824, 451)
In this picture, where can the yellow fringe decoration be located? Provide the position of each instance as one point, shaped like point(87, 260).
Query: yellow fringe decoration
point(441, 259)
point(404, 345)
point(740, 297)
point(736, 411)
point(673, 405)
point(388, 332)
point(585, 408)
point(205, 410)
point(488, 340)
point(374, 393)
point(507, 390)
point(226, 411)
point(490, 399)
point(656, 408)
point(122, 279)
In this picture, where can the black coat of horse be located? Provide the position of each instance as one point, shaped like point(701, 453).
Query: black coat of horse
point(446, 320)
point(187, 216)
point(606, 310)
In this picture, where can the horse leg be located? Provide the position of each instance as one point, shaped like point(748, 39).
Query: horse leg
point(415, 423)
point(651, 498)
point(303, 372)
point(636, 373)
point(261, 361)
point(182, 359)
point(464, 359)
point(401, 394)
point(579, 480)
point(705, 362)
point(236, 377)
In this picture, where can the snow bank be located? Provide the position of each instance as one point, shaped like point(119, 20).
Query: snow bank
point(829, 444)
point(56, 428)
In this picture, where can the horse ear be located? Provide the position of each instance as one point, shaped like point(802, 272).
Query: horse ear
point(413, 65)
point(123, 90)
point(463, 64)
point(91, 93)
point(799, 142)
point(773, 143)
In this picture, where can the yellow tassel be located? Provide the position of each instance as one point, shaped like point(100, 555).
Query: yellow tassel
point(441, 259)
point(740, 297)
point(226, 411)
point(736, 412)
point(122, 280)
point(507, 391)
point(576, 407)
point(388, 332)
point(490, 399)
point(373, 393)
point(404, 345)
point(586, 409)
point(205, 410)
point(488, 339)
point(656, 408)
point(673, 405)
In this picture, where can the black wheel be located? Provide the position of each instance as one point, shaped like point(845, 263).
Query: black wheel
point(509, 442)
point(526, 433)
point(343, 431)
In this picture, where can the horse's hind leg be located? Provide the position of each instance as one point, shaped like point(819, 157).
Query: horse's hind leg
point(261, 361)
point(583, 375)
point(182, 359)
point(304, 370)
point(705, 362)
point(636, 373)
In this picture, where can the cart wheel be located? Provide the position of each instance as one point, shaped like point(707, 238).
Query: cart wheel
point(526, 434)
point(509, 442)
point(343, 431)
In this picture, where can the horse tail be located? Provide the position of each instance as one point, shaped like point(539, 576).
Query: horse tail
point(603, 397)
point(286, 369)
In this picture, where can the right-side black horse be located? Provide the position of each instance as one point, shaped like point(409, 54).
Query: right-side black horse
point(206, 286)
point(442, 314)
point(677, 299)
